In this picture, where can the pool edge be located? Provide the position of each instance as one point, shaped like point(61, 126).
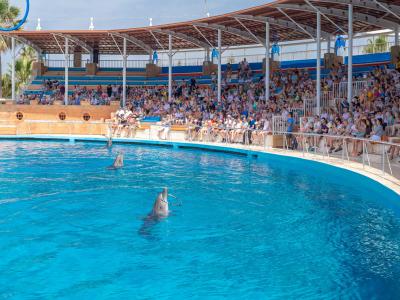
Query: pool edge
point(388, 182)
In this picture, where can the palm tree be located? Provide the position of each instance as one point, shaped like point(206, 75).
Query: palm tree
point(23, 67)
point(378, 45)
point(6, 84)
point(8, 15)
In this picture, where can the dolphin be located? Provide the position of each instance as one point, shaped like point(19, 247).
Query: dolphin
point(109, 142)
point(118, 162)
point(160, 211)
point(161, 206)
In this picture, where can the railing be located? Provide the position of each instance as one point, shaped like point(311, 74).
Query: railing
point(279, 124)
point(289, 51)
point(60, 63)
point(340, 89)
point(378, 158)
point(130, 64)
point(327, 103)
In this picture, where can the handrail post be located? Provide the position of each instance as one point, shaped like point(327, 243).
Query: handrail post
point(343, 145)
point(363, 154)
point(383, 160)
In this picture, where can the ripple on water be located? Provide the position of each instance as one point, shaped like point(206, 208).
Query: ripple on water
point(247, 229)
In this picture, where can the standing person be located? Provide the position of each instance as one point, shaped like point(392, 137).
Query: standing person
point(290, 128)
point(109, 91)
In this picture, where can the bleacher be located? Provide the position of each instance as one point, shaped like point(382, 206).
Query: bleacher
point(137, 77)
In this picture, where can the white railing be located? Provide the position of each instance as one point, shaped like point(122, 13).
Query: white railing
point(133, 64)
point(60, 63)
point(379, 158)
point(279, 124)
point(340, 89)
point(327, 103)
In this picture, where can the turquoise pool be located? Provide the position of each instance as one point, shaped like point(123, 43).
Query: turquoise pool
point(248, 228)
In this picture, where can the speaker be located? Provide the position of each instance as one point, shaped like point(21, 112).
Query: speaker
point(96, 56)
point(395, 54)
point(331, 59)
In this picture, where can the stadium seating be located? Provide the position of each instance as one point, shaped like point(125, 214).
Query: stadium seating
point(136, 77)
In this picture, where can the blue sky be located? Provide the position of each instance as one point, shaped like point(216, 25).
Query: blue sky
point(116, 14)
point(75, 14)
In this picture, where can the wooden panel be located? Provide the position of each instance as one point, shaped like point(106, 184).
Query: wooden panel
point(51, 112)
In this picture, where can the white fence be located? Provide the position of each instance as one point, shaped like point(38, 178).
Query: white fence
point(340, 89)
point(327, 103)
point(130, 64)
point(279, 124)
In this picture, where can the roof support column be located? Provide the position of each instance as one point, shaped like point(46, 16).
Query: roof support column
point(13, 69)
point(267, 65)
point(318, 63)
point(396, 35)
point(66, 62)
point(170, 55)
point(124, 63)
point(219, 64)
point(350, 57)
point(329, 45)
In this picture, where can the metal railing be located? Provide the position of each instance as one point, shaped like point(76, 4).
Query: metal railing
point(289, 52)
point(376, 157)
point(130, 64)
point(60, 63)
point(380, 158)
point(340, 89)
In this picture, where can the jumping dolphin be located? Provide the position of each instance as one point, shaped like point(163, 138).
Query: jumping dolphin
point(118, 162)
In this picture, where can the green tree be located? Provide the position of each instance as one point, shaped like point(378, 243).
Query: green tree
point(6, 84)
point(23, 68)
point(8, 17)
point(378, 45)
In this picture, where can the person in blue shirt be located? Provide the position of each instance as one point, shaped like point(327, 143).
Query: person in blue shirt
point(291, 140)
point(290, 123)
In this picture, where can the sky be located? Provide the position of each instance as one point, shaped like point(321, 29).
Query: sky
point(119, 14)
point(116, 14)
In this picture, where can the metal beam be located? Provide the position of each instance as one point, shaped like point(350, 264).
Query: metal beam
point(183, 36)
point(340, 13)
point(58, 43)
point(298, 24)
point(76, 41)
point(219, 92)
point(170, 56)
point(283, 23)
point(204, 37)
point(267, 64)
point(325, 16)
point(66, 78)
point(318, 63)
point(124, 66)
point(13, 70)
point(23, 40)
point(249, 31)
point(387, 9)
point(231, 30)
point(134, 41)
point(364, 4)
point(350, 56)
point(158, 42)
point(116, 44)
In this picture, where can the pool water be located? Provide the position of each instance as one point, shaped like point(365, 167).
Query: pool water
point(260, 228)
